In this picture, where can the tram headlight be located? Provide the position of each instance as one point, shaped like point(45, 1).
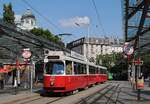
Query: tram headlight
point(51, 83)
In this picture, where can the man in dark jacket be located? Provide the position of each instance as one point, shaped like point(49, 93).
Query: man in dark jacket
point(1, 77)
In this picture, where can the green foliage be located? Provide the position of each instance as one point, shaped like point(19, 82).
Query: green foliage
point(146, 65)
point(48, 35)
point(115, 64)
point(8, 14)
point(108, 60)
point(146, 59)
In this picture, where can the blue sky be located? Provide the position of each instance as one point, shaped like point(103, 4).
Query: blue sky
point(66, 13)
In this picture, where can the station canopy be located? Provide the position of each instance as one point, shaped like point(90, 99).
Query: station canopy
point(136, 16)
point(13, 40)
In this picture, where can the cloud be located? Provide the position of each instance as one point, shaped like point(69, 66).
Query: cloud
point(75, 22)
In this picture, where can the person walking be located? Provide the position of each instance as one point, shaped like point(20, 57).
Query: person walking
point(1, 77)
point(2, 80)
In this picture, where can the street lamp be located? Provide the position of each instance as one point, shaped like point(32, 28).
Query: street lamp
point(63, 34)
point(88, 40)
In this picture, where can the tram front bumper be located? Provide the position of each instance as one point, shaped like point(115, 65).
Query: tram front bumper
point(54, 89)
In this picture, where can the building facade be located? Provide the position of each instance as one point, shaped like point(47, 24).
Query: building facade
point(91, 47)
point(27, 21)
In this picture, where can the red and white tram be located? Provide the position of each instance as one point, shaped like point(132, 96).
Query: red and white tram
point(66, 72)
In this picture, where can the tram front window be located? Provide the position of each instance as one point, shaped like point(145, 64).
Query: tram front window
point(54, 68)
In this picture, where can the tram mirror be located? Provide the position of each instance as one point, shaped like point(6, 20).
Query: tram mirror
point(46, 51)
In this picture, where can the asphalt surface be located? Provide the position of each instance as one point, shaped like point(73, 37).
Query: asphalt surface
point(127, 95)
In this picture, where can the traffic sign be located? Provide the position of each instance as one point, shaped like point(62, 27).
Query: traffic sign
point(128, 48)
point(138, 62)
point(26, 53)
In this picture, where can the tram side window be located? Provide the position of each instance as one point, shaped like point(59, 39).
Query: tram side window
point(97, 70)
point(82, 69)
point(92, 70)
point(75, 68)
point(103, 71)
point(68, 67)
point(79, 68)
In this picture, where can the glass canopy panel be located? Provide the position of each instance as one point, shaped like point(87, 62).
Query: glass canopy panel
point(132, 32)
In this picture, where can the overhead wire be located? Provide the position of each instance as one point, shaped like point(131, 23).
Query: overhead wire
point(98, 17)
point(44, 17)
point(1, 3)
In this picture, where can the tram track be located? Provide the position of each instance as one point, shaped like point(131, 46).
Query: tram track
point(28, 101)
point(21, 99)
point(111, 95)
point(84, 100)
point(55, 100)
point(98, 97)
point(48, 100)
point(33, 99)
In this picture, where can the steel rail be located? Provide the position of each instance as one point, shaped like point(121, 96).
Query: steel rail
point(84, 100)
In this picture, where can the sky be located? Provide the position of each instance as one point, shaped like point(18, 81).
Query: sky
point(77, 17)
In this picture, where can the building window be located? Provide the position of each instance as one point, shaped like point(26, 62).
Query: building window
point(27, 21)
point(87, 50)
point(92, 49)
point(32, 22)
point(22, 21)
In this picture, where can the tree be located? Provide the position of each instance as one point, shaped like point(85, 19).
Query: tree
point(115, 64)
point(8, 14)
point(47, 35)
point(146, 65)
point(108, 60)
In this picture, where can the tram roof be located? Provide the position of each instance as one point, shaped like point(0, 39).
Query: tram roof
point(64, 54)
point(72, 56)
point(92, 64)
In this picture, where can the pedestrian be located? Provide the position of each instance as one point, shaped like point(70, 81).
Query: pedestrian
point(1, 80)
point(140, 82)
point(14, 76)
point(1, 77)
point(141, 76)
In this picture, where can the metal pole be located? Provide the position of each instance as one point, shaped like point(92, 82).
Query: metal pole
point(88, 30)
point(31, 80)
point(33, 72)
point(139, 90)
point(129, 71)
point(18, 76)
point(139, 68)
point(133, 75)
